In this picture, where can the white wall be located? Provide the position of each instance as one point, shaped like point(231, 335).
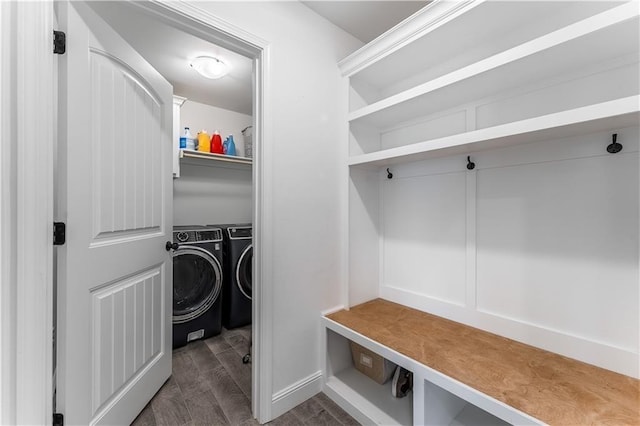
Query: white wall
point(307, 113)
point(205, 195)
point(218, 194)
point(199, 116)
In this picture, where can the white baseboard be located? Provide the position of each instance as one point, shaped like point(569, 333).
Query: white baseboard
point(287, 398)
point(332, 310)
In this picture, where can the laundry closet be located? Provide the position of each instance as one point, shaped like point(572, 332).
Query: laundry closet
point(212, 188)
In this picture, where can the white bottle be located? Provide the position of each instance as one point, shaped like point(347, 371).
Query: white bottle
point(190, 141)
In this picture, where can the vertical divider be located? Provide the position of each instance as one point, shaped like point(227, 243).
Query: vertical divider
point(471, 282)
point(418, 399)
point(380, 231)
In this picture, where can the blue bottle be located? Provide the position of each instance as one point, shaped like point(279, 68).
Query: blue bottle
point(225, 145)
point(231, 146)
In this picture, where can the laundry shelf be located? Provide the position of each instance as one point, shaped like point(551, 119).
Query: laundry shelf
point(210, 159)
point(610, 115)
point(544, 58)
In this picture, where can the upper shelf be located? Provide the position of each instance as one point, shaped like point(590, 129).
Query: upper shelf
point(610, 115)
point(445, 36)
point(563, 52)
point(210, 159)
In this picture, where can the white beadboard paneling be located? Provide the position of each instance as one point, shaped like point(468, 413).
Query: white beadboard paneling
point(425, 235)
point(127, 332)
point(558, 246)
point(124, 203)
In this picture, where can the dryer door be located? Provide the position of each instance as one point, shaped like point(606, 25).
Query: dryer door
point(197, 281)
point(244, 272)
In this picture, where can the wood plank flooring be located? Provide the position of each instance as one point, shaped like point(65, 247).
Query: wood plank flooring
point(211, 386)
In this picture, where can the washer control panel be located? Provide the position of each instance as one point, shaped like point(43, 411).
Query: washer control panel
point(197, 236)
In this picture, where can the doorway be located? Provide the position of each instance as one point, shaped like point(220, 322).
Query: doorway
point(208, 30)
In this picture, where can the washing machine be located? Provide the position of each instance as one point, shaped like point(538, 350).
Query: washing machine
point(197, 283)
point(238, 281)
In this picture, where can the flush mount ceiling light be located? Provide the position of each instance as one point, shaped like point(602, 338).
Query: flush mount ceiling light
point(209, 67)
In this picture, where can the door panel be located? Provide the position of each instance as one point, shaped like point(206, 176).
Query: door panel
point(126, 118)
point(115, 276)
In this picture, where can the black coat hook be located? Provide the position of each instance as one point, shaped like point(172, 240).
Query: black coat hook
point(389, 174)
point(614, 147)
point(470, 164)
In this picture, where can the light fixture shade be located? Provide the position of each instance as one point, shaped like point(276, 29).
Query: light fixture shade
point(210, 67)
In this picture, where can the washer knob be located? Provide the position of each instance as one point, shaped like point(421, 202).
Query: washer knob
point(182, 236)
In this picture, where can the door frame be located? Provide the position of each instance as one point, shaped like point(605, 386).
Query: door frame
point(27, 394)
point(26, 218)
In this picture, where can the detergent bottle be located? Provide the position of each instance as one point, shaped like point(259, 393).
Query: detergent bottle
point(216, 143)
point(225, 145)
point(187, 141)
point(231, 146)
point(203, 141)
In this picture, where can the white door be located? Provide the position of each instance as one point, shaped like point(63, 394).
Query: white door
point(114, 274)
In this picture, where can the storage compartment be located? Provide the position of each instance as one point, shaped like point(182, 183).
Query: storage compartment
point(366, 400)
point(372, 365)
point(444, 408)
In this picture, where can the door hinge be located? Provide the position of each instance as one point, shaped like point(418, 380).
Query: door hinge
point(59, 233)
point(58, 419)
point(59, 42)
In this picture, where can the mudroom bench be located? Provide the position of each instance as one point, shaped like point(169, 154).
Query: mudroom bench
point(463, 375)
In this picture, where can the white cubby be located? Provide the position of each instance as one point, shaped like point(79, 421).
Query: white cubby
point(366, 400)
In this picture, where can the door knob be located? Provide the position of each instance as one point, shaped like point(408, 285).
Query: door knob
point(171, 246)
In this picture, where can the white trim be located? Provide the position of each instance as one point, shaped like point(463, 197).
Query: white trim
point(262, 329)
point(203, 24)
point(333, 310)
point(417, 25)
point(7, 216)
point(34, 208)
point(289, 397)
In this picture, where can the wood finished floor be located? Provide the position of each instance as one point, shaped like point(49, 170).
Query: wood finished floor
point(211, 386)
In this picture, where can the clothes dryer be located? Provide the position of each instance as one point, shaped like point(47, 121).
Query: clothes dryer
point(197, 283)
point(238, 283)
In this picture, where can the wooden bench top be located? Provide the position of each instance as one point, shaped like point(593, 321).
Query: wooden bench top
point(550, 387)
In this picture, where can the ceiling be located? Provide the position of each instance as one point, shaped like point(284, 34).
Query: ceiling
point(169, 50)
point(365, 20)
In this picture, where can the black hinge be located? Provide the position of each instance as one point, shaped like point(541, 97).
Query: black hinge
point(58, 419)
point(59, 233)
point(59, 42)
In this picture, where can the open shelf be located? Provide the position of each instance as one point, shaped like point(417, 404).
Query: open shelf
point(468, 40)
point(207, 158)
point(366, 400)
point(604, 116)
point(474, 416)
point(562, 52)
